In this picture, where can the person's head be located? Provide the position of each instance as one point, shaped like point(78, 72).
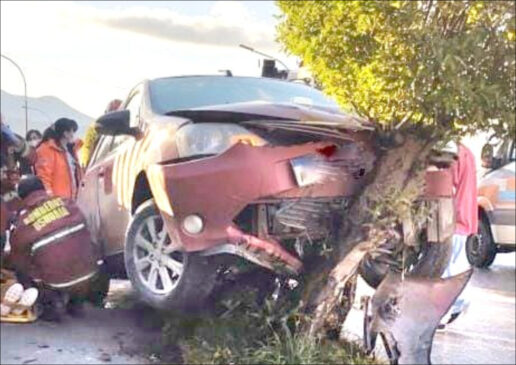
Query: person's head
point(33, 137)
point(62, 131)
point(29, 184)
point(113, 105)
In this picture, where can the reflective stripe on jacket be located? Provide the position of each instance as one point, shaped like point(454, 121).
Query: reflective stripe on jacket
point(51, 242)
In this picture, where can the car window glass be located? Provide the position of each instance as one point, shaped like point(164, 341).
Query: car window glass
point(102, 149)
point(501, 151)
point(133, 105)
point(95, 153)
point(117, 141)
point(179, 93)
point(512, 156)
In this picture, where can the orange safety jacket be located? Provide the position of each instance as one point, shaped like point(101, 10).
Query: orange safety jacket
point(53, 169)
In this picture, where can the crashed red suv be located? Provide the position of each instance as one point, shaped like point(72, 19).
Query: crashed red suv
point(195, 167)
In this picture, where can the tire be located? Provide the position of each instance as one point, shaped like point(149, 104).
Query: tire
point(164, 279)
point(373, 272)
point(431, 262)
point(481, 250)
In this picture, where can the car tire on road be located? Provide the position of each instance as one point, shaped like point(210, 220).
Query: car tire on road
point(163, 276)
point(481, 250)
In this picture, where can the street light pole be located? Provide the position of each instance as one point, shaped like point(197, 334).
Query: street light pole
point(39, 110)
point(263, 54)
point(24, 89)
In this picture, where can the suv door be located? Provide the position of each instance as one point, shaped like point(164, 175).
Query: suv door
point(114, 216)
point(497, 194)
point(87, 198)
point(504, 215)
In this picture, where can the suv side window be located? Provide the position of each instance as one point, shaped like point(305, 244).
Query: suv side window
point(103, 148)
point(133, 105)
point(117, 141)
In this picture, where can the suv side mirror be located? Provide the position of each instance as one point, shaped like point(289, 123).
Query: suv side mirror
point(115, 123)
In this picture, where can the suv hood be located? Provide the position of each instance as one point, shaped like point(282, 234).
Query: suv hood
point(274, 113)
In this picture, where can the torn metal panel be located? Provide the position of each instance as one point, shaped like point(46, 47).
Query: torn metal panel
point(267, 253)
point(406, 314)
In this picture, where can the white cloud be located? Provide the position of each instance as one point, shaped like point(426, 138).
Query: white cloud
point(228, 24)
point(66, 53)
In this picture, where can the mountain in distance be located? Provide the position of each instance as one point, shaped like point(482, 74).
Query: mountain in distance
point(43, 111)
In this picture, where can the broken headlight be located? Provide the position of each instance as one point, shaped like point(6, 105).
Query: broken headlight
point(212, 138)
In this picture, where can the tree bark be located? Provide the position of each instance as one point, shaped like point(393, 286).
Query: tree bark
point(397, 179)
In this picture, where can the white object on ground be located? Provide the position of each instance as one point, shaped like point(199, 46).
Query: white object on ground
point(12, 295)
point(27, 300)
point(4, 310)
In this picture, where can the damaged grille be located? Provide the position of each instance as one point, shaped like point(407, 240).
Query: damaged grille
point(313, 217)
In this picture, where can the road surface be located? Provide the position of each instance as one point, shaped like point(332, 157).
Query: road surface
point(119, 336)
point(485, 335)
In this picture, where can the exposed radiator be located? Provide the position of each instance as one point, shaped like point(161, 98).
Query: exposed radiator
point(311, 216)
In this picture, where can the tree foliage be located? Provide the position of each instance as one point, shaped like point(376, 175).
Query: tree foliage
point(445, 67)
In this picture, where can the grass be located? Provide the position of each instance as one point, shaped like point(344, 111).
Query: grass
point(244, 332)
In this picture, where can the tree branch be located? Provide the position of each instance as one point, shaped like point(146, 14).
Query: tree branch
point(430, 4)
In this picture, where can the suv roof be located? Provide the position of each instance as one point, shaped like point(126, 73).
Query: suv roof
point(218, 76)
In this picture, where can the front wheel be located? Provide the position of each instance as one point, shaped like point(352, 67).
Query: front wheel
point(480, 249)
point(164, 277)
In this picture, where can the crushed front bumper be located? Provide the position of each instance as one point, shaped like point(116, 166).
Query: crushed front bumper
point(218, 188)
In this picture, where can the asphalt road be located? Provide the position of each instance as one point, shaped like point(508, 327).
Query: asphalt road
point(119, 336)
point(484, 335)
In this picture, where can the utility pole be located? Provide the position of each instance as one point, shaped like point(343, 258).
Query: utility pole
point(25, 91)
point(263, 54)
point(41, 111)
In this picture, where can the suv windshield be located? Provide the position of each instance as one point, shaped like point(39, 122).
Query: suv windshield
point(178, 93)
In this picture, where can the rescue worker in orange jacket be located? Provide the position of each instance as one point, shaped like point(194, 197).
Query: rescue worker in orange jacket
point(57, 165)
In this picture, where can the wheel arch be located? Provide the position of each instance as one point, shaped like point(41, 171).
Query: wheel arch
point(150, 184)
point(142, 191)
point(483, 214)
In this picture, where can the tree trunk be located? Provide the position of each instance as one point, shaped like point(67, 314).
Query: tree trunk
point(384, 202)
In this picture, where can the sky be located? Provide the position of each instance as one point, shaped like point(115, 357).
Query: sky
point(88, 53)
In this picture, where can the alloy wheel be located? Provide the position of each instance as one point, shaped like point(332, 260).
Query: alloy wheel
point(158, 262)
